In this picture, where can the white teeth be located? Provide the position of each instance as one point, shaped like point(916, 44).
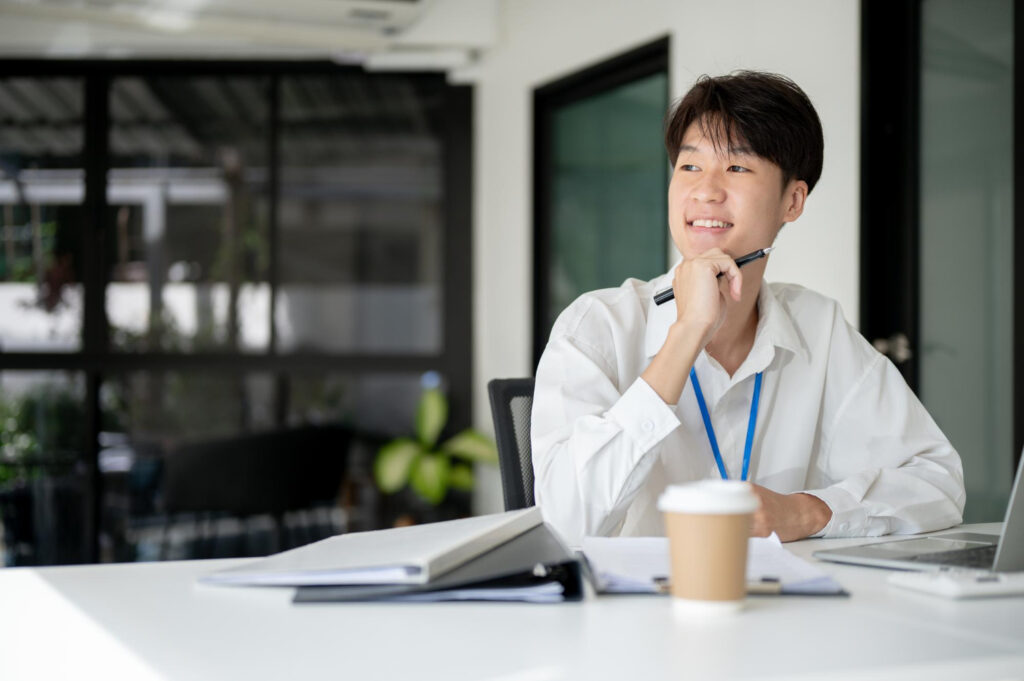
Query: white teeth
point(711, 223)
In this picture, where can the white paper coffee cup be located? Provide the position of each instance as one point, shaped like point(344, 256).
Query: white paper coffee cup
point(708, 527)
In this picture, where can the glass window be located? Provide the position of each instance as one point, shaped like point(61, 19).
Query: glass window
point(41, 194)
point(173, 455)
point(43, 482)
point(361, 216)
point(194, 467)
point(376, 407)
point(609, 218)
point(173, 407)
point(188, 210)
point(248, 455)
point(381, 404)
point(966, 240)
point(602, 181)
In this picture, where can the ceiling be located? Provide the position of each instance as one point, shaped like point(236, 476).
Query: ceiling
point(437, 35)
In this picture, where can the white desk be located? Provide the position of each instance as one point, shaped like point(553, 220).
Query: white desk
point(143, 621)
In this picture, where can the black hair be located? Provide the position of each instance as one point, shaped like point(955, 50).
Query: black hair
point(765, 111)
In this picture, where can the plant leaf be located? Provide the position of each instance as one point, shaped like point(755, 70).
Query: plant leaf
point(431, 415)
point(472, 446)
point(429, 477)
point(393, 463)
point(461, 477)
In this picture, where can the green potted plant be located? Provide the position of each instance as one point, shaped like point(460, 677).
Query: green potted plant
point(428, 467)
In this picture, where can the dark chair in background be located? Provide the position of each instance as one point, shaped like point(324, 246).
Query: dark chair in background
point(511, 403)
point(263, 474)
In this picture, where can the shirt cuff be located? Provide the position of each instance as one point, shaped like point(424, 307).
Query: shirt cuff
point(848, 515)
point(643, 415)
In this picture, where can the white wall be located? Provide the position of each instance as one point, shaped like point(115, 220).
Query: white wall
point(815, 42)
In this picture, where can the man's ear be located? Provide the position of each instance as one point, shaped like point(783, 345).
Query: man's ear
point(794, 197)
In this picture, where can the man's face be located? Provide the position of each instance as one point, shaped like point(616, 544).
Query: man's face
point(727, 198)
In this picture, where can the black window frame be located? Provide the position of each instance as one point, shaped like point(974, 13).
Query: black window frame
point(96, 360)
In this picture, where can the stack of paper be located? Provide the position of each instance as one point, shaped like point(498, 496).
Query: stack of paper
point(768, 560)
point(641, 565)
point(627, 564)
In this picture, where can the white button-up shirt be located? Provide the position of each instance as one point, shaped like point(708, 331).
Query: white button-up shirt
point(836, 420)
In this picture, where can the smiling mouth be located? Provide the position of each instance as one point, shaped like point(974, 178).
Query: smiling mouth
point(710, 224)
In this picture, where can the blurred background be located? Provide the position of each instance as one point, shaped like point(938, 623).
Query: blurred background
point(239, 239)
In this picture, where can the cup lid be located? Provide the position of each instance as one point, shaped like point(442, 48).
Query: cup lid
point(709, 497)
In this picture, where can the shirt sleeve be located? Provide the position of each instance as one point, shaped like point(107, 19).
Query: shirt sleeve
point(593, 444)
point(895, 471)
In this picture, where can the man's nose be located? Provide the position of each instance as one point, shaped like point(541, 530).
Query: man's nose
point(710, 189)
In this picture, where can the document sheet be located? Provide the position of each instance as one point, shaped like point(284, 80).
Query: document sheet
point(641, 564)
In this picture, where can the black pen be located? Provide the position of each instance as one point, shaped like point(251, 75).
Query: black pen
point(668, 294)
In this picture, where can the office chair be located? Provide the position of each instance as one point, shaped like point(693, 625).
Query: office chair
point(511, 402)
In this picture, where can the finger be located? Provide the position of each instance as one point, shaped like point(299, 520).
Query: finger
point(736, 284)
point(679, 284)
point(731, 284)
point(731, 272)
point(715, 258)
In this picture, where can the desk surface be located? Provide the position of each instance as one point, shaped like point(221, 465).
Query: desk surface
point(152, 620)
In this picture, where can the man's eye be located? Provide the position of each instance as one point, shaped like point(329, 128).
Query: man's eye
point(738, 169)
point(689, 167)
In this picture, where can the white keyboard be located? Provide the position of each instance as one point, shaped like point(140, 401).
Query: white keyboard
point(961, 583)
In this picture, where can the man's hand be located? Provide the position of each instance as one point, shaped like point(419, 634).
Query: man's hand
point(700, 311)
point(700, 294)
point(791, 516)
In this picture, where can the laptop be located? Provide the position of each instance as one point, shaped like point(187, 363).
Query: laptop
point(953, 550)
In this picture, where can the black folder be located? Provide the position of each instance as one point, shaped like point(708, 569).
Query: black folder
point(533, 567)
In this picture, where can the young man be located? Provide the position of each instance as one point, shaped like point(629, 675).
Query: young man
point(831, 437)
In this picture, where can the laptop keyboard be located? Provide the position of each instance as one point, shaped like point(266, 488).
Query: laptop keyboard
point(981, 557)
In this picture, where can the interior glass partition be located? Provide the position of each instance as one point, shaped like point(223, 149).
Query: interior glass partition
point(600, 181)
point(608, 214)
point(967, 240)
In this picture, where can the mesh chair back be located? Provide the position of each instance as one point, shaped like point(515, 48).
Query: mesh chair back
point(511, 404)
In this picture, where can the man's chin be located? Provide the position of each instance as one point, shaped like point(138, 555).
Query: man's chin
point(701, 240)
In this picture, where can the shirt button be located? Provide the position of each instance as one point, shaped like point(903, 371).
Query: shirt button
point(648, 426)
point(844, 527)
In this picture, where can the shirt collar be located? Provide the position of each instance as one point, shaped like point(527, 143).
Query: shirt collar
point(774, 326)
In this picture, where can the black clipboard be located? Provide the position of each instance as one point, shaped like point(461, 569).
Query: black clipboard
point(535, 558)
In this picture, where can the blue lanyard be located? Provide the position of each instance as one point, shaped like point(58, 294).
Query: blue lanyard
point(711, 430)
